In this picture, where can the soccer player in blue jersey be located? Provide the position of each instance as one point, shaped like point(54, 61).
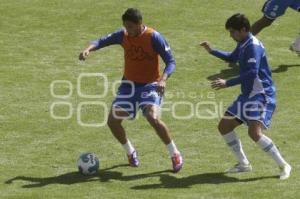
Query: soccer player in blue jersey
point(256, 103)
point(142, 84)
point(273, 9)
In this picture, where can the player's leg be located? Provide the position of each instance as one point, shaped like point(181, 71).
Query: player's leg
point(259, 114)
point(295, 46)
point(266, 144)
point(114, 122)
point(272, 9)
point(152, 113)
point(226, 127)
point(123, 107)
point(150, 102)
point(260, 24)
point(228, 123)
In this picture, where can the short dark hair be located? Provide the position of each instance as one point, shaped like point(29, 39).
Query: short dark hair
point(133, 15)
point(237, 22)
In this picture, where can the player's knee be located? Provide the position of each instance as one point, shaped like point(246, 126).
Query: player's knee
point(221, 128)
point(266, 22)
point(225, 127)
point(112, 121)
point(254, 130)
point(152, 116)
point(254, 135)
point(153, 120)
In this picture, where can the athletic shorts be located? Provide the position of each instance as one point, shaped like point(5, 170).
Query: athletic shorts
point(275, 8)
point(256, 108)
point(134, 96)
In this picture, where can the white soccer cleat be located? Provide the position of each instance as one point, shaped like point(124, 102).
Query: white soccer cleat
point(295, 48)
point(285, 172)
point(238, 168)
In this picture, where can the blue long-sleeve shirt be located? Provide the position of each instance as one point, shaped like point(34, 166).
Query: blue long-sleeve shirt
point(255, 75)
point(159, 44)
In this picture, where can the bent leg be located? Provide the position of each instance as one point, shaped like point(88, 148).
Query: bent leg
point(114, 121)
point(151, 113)
point(226, 127)
point(267, 145)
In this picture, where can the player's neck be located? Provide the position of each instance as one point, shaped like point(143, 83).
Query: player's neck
point(245, 37)
point(141, 30)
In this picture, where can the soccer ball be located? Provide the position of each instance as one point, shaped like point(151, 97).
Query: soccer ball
point(88, 164)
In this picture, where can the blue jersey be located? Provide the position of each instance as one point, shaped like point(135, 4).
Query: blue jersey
point(255, 75)
point(275, 8)
point(159, 44)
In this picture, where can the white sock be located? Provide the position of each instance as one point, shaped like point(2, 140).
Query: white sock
point(172, 148)
point(236, 146)
point(268, 146)
point(128, 147)
point(297, 42)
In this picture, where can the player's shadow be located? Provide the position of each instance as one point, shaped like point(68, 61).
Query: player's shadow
point(70, 178)
point(167, 181)
point(106, 175)
point(284, 67)
point(232, 71)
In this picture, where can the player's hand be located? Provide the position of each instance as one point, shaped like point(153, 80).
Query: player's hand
point(83, 55)
point(206, 46)
point(161, 85)
point(218, 84)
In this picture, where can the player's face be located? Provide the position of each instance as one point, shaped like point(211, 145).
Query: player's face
point(132, 29)
point(237, 35)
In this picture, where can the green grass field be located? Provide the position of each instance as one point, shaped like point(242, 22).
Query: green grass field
point(40, 42)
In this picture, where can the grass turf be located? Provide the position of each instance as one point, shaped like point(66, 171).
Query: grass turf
point(40, 42)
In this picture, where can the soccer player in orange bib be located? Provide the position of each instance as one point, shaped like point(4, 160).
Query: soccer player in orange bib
point(142, 85)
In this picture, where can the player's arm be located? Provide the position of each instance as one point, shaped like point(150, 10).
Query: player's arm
point(111, 39)
point(252, 61)
point(226, 56)
point(161, 46)
point(261, 24)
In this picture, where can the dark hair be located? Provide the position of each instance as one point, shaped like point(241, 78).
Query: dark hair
point(133, 15)
point(237, 22)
